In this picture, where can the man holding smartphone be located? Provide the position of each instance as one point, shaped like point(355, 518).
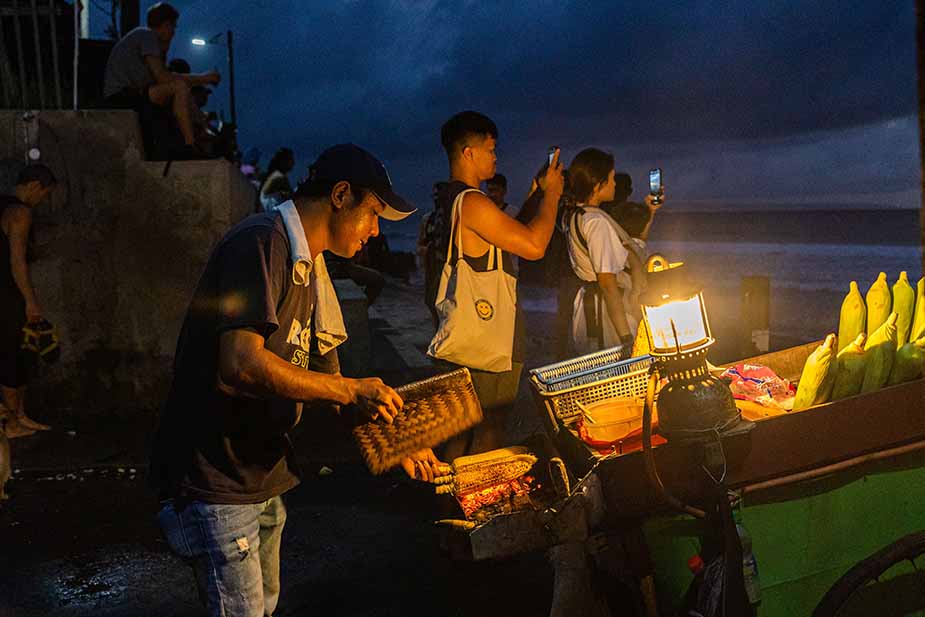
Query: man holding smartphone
point(469, 140)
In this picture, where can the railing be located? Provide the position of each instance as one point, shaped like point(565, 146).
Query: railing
point(27, 86)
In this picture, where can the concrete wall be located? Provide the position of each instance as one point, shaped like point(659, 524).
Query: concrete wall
point(120, 250)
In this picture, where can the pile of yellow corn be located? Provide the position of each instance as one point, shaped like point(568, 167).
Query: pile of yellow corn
point(881, 341)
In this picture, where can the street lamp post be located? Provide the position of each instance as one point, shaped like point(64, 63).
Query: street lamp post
point(229, 38)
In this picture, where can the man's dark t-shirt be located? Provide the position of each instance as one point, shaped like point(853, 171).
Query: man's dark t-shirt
point(234, 449)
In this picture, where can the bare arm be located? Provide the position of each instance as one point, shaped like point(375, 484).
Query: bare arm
point(19, 220)
point(163, 76)
point(527, 240)
point(247, 366)
point(637, 272)
point(613, 300)
point(653, 206)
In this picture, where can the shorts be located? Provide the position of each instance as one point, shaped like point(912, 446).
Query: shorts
point(128, 99)
point(17, 366)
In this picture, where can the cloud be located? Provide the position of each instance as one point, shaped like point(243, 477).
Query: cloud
point(387, 74)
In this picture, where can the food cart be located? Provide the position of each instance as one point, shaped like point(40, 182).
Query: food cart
point(820, 490)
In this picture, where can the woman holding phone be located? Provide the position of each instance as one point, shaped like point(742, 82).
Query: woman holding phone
point(609, 264)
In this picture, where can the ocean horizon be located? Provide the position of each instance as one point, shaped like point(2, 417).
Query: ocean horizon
point(819, 250)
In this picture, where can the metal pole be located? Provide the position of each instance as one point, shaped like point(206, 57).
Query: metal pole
point(129, 13)
point(84, 20)
point(19, 55)
point(920, 62)
point(38, 54)
point(53, 17)
point(234, 114)
point(78, 9)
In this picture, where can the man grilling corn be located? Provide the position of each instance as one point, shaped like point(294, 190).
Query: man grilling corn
point(258, 340)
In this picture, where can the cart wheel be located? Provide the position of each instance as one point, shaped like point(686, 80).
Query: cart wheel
point(889, 583)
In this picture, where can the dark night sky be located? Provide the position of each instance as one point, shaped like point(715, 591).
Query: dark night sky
point(737, 101)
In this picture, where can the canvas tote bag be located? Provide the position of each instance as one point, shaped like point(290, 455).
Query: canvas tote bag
point(476, 309)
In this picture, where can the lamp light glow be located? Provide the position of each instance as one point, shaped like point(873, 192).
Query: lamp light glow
point(673, 310)
point(199, 42)
point(681, 318)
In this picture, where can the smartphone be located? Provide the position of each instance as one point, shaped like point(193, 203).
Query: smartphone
point(552, 153)
point(655, 180)
point(655, 183)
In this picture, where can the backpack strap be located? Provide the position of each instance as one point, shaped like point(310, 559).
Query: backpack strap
point(574, 226)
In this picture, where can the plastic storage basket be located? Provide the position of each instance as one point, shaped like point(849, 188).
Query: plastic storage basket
point(599, 376)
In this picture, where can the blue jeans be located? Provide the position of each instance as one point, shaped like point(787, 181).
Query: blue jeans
point(234, 552)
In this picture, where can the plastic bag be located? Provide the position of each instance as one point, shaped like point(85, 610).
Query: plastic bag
point(752, 382)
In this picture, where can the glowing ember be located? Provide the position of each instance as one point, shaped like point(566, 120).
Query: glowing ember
point(497, 498)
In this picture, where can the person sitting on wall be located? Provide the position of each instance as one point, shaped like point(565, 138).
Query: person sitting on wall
point(137, 75)
point(19, 305)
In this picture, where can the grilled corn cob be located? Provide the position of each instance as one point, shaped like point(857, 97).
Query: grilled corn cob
point(853, 317)
point(849, 372)
point(880, 351)
point(878, 304)
point(471, 473)
point(818, 376)
point(918, 320)
point(909, 363)
point(903, 304)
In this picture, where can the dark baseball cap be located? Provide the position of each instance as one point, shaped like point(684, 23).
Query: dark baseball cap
point(353, 164)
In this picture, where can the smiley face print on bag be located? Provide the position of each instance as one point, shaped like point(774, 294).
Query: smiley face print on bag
point(484, 309)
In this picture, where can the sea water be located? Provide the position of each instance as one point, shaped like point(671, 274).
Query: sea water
point(796, 249)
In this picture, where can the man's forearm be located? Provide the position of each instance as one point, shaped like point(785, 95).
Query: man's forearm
point(544, 222)
point(266, 374)
point(20, 272)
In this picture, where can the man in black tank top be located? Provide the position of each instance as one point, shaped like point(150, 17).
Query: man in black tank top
point(18, 302)
point(469, 140)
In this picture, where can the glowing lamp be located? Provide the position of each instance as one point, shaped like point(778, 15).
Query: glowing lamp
point(693, 404)
point(199, 42)
point(675, 316)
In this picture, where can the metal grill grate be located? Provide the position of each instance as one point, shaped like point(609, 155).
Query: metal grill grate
point(587, 379)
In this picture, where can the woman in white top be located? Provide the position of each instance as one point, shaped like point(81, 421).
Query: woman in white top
point(605, 312)
point(275, 188)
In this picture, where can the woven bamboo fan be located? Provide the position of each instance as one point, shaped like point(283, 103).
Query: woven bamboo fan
point(435, 409)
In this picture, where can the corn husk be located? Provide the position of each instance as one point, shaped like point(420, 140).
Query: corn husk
point(641, 344)
point(850, 365)
point(880, 351)
point(879, 304)
point(909, 363)
point(853, 317)
point(903, 305)
point(917, 330)
point(818, 377)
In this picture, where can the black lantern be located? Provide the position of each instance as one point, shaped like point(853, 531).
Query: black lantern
point(693, 404)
